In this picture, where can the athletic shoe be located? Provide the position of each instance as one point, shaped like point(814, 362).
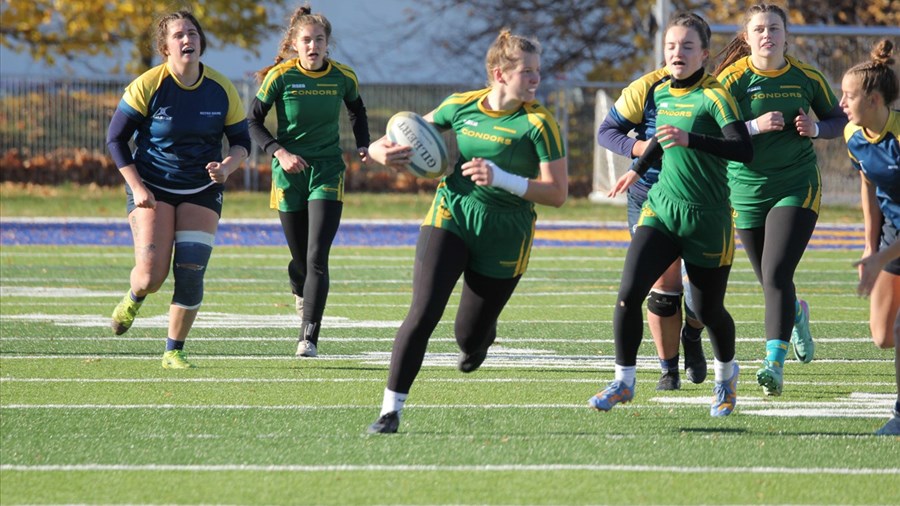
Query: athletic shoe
point(891, 428)
point(725, 393)
point(771, 379)
point(306, 349)
point(614, 393)
point(669, 380)
point(298, 306)
point(469, 363)
point(387, 423)
point(804, 347)
point(694, 360)
point(176, 359)
point(123, 315)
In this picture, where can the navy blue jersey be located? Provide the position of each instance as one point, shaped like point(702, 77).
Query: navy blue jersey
point(181, 127)
point(879, 159)
point(636, 110)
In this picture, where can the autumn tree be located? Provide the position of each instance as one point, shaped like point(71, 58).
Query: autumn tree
point(68, 29)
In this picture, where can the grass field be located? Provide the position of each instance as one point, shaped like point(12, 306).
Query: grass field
point(90, 418)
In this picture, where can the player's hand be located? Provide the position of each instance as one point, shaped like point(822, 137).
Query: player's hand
point(627, 179)
point(770, 122)
point(143, 197)
point(290, 163)
point(218, 171)
point(390, 154)
point(479, 171)
point(363, 153)
point(806, 127)
point(670, 136)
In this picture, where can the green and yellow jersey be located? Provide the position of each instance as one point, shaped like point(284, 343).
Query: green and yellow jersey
point(516, 140)
point(795, 86)
point(308, 105)
point(691, 175)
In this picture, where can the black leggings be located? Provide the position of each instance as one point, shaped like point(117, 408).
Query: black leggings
point(775, 251)
point(309, 236)
point(651, 252)
point(441, 258)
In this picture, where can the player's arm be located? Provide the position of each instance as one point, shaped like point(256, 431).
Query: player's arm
point(735, 143)
point(872, 217)
point(121, 129)
point(359, 121)
point(613, 136)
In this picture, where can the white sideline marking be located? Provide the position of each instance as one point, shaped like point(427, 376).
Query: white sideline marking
point(459, 468)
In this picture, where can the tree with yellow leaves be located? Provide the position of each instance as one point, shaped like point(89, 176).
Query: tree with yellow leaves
point(68, 29)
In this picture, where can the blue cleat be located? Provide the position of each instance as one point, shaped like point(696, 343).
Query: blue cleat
point(614, 393)
point(801, 338)
point(771, 378)
point(725, 393)
point(891, 428)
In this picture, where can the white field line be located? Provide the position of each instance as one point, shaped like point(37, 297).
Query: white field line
point(453, 468)
point(516, 381)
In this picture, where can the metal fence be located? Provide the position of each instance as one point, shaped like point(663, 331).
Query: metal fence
point(55, 119)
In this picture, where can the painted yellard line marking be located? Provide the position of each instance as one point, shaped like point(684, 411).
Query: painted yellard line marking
point(454, 468)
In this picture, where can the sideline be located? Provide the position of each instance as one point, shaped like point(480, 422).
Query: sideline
point(115, 232)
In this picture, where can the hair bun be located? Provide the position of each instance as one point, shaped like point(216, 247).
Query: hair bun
point(882, 52)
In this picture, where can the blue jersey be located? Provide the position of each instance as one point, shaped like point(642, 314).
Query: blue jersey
point(181, 127)
point(636, 110)
point(879, 159)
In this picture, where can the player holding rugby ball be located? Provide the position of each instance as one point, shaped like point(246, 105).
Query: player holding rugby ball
point(481, 223)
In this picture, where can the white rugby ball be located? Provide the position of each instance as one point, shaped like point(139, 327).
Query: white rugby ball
point(429, 153)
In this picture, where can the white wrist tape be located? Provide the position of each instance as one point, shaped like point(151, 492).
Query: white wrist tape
point(752, 127)
point(815, 130)
point(517, 185)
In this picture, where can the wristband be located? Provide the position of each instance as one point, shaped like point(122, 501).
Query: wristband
point(815, 130)
point(752, 127)
point(517, 185)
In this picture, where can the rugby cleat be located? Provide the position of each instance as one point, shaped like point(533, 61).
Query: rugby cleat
point(725, 395)
point(306, 349)
point(891, 428)
point(614, 393)
point(771, 378)
point(176, 359)
point(801, 338)
point(471, 362)
point(669, 380)
point(387, 423)
point(123, 315)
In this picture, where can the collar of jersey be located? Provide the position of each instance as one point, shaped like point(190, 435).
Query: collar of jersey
point(313, 73)
point(680, 92)
point(881, 135)
point(769, 73)
point(496, 114)
point(181, 84)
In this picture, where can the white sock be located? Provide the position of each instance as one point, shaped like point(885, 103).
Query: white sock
point(625, 373)
point(724, 370)
point(393, 401)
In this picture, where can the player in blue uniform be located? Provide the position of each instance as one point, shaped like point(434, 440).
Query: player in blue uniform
point(872, 136)
point(178, 113)
point(636, 110)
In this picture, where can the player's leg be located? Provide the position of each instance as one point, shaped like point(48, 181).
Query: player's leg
point(892, 427)
point(324, 220)
point(651, 252)
point(694, 358)
point(295, 225)
point(153, 231)
point(195, 233)
point(664, 320)
point(440, 260)
point(708, 286)
point(483, 299)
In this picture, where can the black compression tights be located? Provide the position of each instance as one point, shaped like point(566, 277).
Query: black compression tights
point(775, 251)
point(651, 252)
point(309, 236)
point(441, 258)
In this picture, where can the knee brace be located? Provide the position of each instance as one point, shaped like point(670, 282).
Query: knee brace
point(192, 251)
point(663, 303)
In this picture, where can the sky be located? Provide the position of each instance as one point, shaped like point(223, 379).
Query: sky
point(366, 35)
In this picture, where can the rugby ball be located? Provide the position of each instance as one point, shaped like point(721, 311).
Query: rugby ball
point(429, 153)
